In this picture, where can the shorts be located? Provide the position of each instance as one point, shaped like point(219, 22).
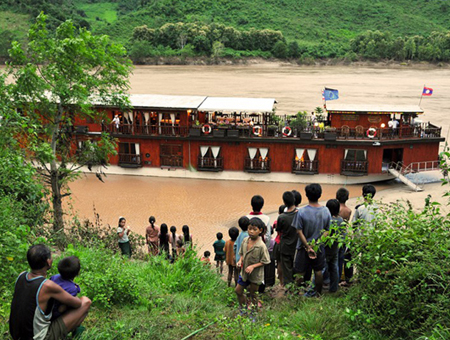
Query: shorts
point(57, 330)
point(219, 257)
point(243, 283)
point(302, 261)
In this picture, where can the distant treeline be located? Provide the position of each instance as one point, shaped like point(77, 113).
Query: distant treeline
point(203, 38)
point(217, 40)
point(378, 45)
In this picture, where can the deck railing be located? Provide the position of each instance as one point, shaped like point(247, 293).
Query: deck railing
point(354, 167)
point(404, 132)
point(305, 167)
point(147, 130)
point(210, 163)
point(257, 165)
point(171, 161)
point(131, 159)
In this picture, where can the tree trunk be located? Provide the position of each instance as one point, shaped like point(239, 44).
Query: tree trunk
point(58, 221)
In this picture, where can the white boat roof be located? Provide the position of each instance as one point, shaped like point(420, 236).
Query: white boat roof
point(374, 108)
point(165, 101)
point(234, 104)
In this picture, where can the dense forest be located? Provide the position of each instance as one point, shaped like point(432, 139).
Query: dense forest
point(286, 29)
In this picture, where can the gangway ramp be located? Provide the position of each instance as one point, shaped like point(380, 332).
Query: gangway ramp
point(412, 185)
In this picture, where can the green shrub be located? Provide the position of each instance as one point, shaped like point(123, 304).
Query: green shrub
point(403, 271)
point(104, 277)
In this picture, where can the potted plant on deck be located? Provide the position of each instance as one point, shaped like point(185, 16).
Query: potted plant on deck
point(195, 130)
point(221, 130)
point(274, 122)
point(330, 133)
point(299, 123)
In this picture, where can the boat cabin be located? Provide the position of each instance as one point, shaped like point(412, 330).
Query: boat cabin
point(220, 134)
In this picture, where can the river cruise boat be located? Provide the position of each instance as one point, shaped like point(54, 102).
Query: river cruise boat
point(243, 139)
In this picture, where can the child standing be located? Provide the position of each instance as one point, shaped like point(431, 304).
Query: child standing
point(205, 259)
point(254, 255)
point(151, 234)
point(180, 248)
point(174, 237)
point(164, 241)
point(219, 246)
point(230, 257)
point(68, 268)
point(243, 224)
point(122, 233)
point(332, 251)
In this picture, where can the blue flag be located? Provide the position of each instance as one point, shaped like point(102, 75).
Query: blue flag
point(330, 94)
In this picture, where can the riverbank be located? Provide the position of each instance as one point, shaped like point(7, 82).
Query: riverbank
point(302, 62)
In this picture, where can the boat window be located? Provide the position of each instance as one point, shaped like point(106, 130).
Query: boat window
point(210, 151)
point(129, 148)
point(355, 155)
point(305, 154)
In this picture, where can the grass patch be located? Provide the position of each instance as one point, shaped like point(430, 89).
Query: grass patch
point(105, 11)
point(16, 23)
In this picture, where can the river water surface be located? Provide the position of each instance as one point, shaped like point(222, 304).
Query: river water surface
point(212, 206)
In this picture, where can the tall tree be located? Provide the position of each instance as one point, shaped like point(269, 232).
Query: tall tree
point(56, 77)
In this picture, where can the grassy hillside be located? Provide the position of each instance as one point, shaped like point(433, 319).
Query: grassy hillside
point(304, 21)
point(301, 20)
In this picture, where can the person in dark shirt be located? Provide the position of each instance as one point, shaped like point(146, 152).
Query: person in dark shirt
point(289, 237)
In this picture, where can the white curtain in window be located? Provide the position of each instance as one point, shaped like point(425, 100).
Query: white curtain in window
point(130, 116)
point(215, 151)
point(203, 151)
point(311, 155)
point(252, 154)
point(263, 152)
point(138, 151)
point(299, 154)
point(172, 118)
point(125, 117)
point(365, 155)
point(345, 154)
point(146, 117)
point(160, 115)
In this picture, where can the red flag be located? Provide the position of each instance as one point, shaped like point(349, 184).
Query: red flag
point(427, 91)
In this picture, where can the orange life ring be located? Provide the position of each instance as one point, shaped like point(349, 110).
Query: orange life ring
point(206, 129)
point(371, 132)
point(257, 130)
point(286, 131)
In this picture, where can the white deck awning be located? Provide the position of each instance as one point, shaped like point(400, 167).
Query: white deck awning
point(157, 101)
point(234, 104)
point(373, 109)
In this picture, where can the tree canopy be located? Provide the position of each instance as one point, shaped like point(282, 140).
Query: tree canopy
point(56, 77)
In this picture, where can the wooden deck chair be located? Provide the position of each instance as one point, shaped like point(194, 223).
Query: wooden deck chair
point(345, 131)
point(359, 131)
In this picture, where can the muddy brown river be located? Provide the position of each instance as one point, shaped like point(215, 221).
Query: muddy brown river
point(212, 206)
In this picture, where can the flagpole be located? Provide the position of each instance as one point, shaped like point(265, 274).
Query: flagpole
point(420, 101)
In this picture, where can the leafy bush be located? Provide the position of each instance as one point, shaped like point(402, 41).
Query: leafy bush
point(98, 235)
point(105, 277)
point(403, 270)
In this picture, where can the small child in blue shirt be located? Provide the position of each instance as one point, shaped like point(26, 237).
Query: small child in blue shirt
point(68, 268)
point(243, 222)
